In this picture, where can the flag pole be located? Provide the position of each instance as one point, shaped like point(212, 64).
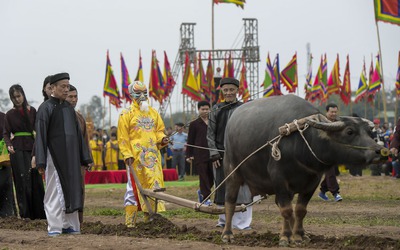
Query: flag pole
point(212, 25)
point(382, 81)
point(109, 115)
point(104, 112)
point(396, 110)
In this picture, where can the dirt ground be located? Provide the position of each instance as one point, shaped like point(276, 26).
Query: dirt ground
point(367, 218)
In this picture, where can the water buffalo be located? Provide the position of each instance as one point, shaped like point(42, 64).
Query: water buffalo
point(300, 168)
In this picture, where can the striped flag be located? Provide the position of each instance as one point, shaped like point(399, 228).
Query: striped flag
point(362, 86)
point(125, 81)
point(375, 81)
point(345, 89)
point(110, 88)
point(269, 79)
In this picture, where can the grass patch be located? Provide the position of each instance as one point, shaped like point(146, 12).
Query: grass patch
point(104, 211)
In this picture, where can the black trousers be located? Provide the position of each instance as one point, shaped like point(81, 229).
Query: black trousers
point(206, 177)
point(330, 182)
point(28, 186)
point(7, 203)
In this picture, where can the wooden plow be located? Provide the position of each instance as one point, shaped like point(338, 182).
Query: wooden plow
point(158, 194)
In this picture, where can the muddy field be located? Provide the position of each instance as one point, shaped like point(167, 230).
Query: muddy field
point(368, 218)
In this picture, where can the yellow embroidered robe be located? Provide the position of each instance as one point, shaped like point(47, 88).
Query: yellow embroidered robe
point(139, 136)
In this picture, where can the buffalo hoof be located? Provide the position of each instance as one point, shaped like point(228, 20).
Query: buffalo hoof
point(227, 237)
point(297, 240)
point(284, 241)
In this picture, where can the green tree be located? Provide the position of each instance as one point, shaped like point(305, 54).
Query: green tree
point(93, 111)
point(4, 101)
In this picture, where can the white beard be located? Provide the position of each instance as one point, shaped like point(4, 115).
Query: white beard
point(144, 106)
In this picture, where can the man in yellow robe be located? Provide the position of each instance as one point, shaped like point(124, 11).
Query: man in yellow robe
point(140, 137)
point(112, 153)
point(97, 149)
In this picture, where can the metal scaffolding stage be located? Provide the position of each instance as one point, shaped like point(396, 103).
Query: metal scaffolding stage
point(250, 51)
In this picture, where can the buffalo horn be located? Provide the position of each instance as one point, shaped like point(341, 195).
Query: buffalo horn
point(370, 124)
point(327, 126)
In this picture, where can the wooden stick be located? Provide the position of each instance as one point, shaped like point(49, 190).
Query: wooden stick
point(141, 190)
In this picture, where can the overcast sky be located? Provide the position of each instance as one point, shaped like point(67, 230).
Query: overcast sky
point(45, 37)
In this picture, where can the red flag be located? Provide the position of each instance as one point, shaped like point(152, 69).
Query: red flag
point(243, 86)
point(345, 89)
point(334, 82)
point(156, 85)
point(210, 80)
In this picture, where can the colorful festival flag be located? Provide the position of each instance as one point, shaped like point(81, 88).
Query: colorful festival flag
point(156, 85)
point(387, 11)
point(239, 3)
point(362, 86)
point(243, 86)
point(269, 79)
point(345, 89)
point(308, 85)
point(289, 75)
point(189, 83)
point(210, 80)
point(334, 82)
point(139, 75)
point(110, 88)
point(324, 80)
point(375, 81)
point(277, 83)
point(316, 90)
point(167, 77)
point(125, 81)
point(398, 78)
point(202, 79)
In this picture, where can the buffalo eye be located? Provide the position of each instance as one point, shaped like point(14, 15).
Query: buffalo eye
point(350, 132)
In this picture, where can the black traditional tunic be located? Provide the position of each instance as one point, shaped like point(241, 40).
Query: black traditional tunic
point(58, 131)
point(28, 182)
